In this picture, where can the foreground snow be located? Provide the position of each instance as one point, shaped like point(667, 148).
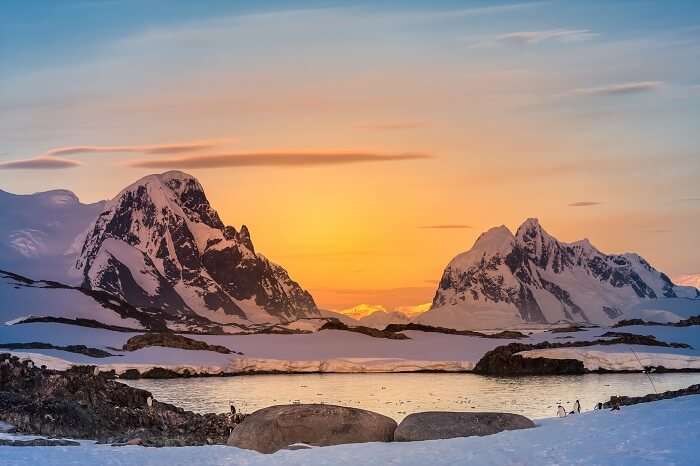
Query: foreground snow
point(665, 432)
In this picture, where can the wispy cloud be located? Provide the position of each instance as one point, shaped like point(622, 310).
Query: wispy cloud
point(534, 37)
point(690, 199)
point(39, 163)
point(481, 11)
point(636, 87)
point(277, 159)
point(154, 149)
point(584, 204)
point(447, 226)
point(393, 126)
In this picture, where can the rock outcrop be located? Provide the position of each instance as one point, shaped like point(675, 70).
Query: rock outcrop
point(633, 400)
point(79, 404)
point(271, 429)
point(505, 360)
point(435, 425)
point(171, 340)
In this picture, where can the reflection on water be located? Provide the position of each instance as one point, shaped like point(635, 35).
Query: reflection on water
point(397, 395)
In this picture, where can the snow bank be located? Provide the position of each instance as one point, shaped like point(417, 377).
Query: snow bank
point(661, 433)
point(625, 358)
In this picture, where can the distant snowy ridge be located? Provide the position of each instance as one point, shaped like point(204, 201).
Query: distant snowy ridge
point(509, 279)
point(688, 280)
point(38, 233)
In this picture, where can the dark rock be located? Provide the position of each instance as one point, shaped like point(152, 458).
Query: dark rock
point(171, 340)
point(39, 442)
point(648, 340)
point(89, 323)
point(633, 400)
point(130, 374)
point(79, 349)
point(572, 328)
point(161, 373)
point(436, 425)
point(690, 321)
point(504, 360)
point(335, 324)
point(506, 334)
point(79, 404)
point(271, 429)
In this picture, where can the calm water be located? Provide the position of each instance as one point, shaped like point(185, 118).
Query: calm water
point(397, 395)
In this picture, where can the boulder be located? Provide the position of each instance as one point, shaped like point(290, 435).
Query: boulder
point(434, 425)
point(276, 427)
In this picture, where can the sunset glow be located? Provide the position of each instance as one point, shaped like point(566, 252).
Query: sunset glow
point(364, 145)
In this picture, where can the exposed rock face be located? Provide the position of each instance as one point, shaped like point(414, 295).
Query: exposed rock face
point(633, 400)
point(505, 360)
point(79, 349)
point(435, 425)
point(335, 324)
point(271, 429)
point(506, 334)
point(39, 442)
point(507, 279)
point(103, 305)
point(159, 244)
point(689, 322)
point(171, 340)
point(78, 404)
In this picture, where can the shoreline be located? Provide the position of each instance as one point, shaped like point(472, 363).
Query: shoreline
point(178, 371)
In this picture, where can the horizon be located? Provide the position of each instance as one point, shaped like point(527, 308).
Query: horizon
point(366, 145)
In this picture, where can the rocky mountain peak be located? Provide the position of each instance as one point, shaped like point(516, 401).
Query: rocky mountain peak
point(164, 233)
point(533, 277)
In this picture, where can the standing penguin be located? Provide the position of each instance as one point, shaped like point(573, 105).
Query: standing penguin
point(561, 412)
point(577, 407)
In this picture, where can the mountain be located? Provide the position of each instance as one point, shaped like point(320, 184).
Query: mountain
point(43, 231)
point(509, 279)
point(688, 280)
point(159, 243)
point(380, 319)
point(157, 247)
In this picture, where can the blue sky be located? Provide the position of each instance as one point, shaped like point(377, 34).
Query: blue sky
point(583, 113)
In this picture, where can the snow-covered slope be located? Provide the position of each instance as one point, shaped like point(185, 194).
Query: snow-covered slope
point(506, 280)
point(660, 433)
point(380, 319)
point(41, 234)
point(688, 280)
point(160, 244)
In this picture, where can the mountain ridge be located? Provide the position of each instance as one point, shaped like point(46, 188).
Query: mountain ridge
point(157, 245)
point(531, 277)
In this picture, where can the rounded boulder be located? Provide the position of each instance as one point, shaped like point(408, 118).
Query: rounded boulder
point(434, 425)
point(276, 427)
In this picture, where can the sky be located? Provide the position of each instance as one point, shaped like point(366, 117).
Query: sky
point(365, 144)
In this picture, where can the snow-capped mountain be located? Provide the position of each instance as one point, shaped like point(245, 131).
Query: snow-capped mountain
point(508, 279)
point(160, 244)
point(688, 280)
point(43, 231)
point(157, 248)
point(380, 319)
